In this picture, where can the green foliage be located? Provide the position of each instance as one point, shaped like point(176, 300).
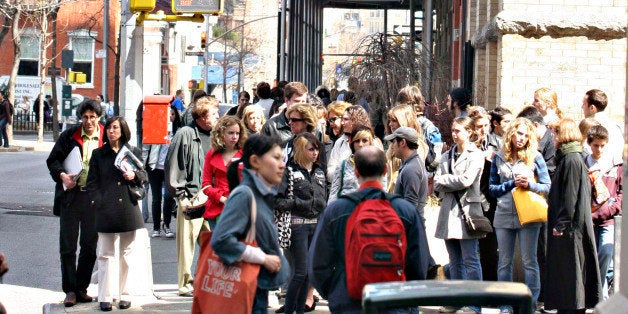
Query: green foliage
point(219, 30)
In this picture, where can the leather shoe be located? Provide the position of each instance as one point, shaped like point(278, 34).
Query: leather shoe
point(188, 294)
point(123, 305)
point(70, 299)
point(105, 306)
point(82, 297)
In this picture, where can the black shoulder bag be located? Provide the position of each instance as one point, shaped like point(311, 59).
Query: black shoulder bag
point(477, 225)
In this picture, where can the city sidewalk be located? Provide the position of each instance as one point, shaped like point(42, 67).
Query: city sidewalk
point(28, 142)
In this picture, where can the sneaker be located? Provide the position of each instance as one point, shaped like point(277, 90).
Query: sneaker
point(467, 310)
point(154, 234)
point(505, 311)
point(169, 233)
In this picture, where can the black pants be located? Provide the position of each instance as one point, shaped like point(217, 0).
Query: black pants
point(77, 216)
point(156, 180)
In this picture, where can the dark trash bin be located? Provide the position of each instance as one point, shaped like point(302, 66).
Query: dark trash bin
point(447, 293)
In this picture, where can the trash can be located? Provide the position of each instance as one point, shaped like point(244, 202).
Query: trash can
point(447, 293)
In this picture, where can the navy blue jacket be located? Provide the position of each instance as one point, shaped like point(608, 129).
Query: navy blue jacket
point(327, 263)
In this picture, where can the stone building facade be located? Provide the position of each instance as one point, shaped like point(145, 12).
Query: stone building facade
point(568, 46)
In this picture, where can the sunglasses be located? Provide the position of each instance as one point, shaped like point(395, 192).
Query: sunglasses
point(332, 120)
point(294, 120)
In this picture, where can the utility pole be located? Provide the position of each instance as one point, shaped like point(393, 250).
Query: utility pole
point(105, 43)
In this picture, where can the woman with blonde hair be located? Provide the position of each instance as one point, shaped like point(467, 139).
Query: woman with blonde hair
point(302, 192)
point(402, 115)
point(546, 100)
point(253, 118)
point(227, 138)
point(301, 118)
point(573, 276)
point(517, 165)
point(334, 119)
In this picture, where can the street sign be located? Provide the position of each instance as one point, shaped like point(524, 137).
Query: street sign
point(54, 71)
point(405, 29)
point(197, 6)
point(194, 53)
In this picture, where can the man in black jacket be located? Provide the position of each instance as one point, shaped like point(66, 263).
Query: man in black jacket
point(72, 202)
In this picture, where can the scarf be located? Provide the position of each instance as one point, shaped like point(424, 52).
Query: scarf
point(569, 147)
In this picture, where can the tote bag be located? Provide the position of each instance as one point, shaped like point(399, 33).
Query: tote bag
point(531, 206)
point(221, 288)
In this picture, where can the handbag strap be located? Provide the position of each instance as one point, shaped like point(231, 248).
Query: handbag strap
point(250, 235)
point(451, 171)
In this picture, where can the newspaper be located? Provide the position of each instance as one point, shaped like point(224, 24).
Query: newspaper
point(127, 161)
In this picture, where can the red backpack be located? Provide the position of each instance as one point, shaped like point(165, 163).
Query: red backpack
point(375, 243)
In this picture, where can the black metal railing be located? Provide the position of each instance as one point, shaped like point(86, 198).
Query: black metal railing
point(27, 121)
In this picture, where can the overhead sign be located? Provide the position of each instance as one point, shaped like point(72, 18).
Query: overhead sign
point(197, 6)
point(405, 29)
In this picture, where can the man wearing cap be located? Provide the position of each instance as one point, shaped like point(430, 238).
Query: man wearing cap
point(412, 179)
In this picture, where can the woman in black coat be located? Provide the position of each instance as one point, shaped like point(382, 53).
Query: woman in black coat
point(573, 281)
point(115, 193)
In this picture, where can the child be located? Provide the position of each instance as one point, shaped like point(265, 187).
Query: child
point(606, 186)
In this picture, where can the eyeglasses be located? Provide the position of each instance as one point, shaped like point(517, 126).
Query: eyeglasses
point(294, 120)
point(90, 118)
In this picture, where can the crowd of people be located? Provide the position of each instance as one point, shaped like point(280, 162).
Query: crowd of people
point(307, 157)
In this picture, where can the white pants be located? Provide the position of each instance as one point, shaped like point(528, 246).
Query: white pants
point(113, 268)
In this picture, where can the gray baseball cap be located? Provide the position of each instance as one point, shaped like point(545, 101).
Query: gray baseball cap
point(406, 133)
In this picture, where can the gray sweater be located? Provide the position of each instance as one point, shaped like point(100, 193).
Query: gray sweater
point(184, 162)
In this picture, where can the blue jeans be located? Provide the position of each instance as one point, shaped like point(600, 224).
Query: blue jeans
point(260, 303)
point(300, 240)
point(605, 239)
point(464, 260)
point(4, 139)
point(528, 241)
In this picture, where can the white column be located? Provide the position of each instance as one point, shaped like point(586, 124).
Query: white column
point(131, 63)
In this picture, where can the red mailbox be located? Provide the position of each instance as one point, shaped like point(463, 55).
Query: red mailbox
point(156, 124)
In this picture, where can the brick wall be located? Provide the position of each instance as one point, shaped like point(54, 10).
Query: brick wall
point(508, 71)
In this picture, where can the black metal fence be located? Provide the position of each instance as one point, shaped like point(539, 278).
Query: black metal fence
point(27, 121)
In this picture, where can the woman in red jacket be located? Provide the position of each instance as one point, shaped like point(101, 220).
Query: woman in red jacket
point(227, 139)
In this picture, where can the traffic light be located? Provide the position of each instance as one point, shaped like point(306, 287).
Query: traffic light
point(322, 58)
point(203, 40)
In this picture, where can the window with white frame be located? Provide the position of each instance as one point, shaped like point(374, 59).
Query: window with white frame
point(83, 46)
point(29, 56)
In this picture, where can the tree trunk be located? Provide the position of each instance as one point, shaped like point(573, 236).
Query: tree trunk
point(224, 74)
point(17, 51)
point(43, 60)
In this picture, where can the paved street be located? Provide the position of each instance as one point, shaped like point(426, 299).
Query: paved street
point(29, 238)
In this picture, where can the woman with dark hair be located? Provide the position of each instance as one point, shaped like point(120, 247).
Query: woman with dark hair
point(227, 139)
point(573, 280)
point(302, 192)
point(117, 212)
point(263, 170)
point(244, 100)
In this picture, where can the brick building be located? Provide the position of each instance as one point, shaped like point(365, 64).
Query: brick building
point(79, 28)
point(568, 46)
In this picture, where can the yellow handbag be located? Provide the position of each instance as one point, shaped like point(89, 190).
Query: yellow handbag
point(531, 206)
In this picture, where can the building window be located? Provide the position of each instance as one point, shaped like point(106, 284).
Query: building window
point(29, 57)
point(83, 46)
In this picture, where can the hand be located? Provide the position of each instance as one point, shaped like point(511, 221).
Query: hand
point(557, 233)
point(272, 263)
point(4, 267)
point(129, 175)
point(68, 180)
point(522, 182)
point(223, 199)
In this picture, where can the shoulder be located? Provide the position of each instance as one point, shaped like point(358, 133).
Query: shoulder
point(403, 207)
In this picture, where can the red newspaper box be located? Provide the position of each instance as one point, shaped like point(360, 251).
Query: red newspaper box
point(156, 119)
